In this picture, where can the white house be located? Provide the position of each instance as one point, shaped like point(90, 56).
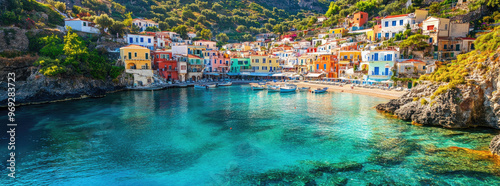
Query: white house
point(191, 35)
point(391, 25)
point(144, 23)
point(378, 63)
point(81, 25)
point(147, 41)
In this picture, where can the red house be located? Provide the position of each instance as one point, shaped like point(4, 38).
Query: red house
point(165, 65)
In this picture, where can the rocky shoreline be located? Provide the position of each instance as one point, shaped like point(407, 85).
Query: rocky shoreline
point(38, 89)
point(474, 104)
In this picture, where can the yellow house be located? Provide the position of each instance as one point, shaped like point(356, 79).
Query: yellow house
point(370, 35)
point(264, 63)
point(305, 63)
point(338, 32)
point(137, 61)
point(348, 58)
point(274, 63)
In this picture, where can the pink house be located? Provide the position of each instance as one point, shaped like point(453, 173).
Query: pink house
point(221, 62)
point(210, 45)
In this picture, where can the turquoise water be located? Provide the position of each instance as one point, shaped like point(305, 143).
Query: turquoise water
point(236, 136)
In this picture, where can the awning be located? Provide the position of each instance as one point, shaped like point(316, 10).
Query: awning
point(313, 75)
point(212, 73)
point(275, 75)
point(259, 74)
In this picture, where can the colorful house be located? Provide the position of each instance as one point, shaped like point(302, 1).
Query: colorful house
point(137, 61)
point(378, 64)
point(164, 64)
point(391, 25)
point(195, 67)
point(411, 68)
point(358, 20)
point(81, 25)
point(338, 32)
point(144, 40)
point(327, 64)
point(240, 65)
point(221, 63)
point(348, 59)
point(144, 23)
point(209, 45)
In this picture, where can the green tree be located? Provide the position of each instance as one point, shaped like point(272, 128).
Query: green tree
point(152, 29)
point(241, 28)
point(206, 34)
point(181, 30)
point(104, 21)
point(60, 6)
point(417, 41)
point(117, 28)
point(163, 25)
point(332, 9)
point(222, 37)
point(247, 37)
point(128, 19)
point(53, 46)
point(75, 50)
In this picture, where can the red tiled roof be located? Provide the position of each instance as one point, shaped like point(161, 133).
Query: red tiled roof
point(393, 16)
point(412, 60)
point(467, 38)
point(193, 56)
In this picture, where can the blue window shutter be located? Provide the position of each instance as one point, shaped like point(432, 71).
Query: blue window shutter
point(317, 66)
point(400, 22)
point(387, 24)
point(393, 23)
point(324, 66)
point(131, 40)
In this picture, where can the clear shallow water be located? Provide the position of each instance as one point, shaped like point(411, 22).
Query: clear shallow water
point(235, 136)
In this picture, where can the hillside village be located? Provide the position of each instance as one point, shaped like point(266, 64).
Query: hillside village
point(348, 52)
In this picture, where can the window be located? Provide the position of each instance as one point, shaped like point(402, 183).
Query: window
point(393, 23)
point(457, 47)
point(446, 26)
point(142, 39)
point(445, 47)
point(170, 67)
point(472, 46)
point(389, 57)
point(147, 55)
point(430, 40)
point(135, 54)
point(400, 22)
point(324, 66)
point(387, 24)
point(361, 16)
point(256, 60)
point(263, 60)
point(130, 55)
point(137, 40)
point(317, 66)
point(387, 35)
point(84, 23)
point(393, 34)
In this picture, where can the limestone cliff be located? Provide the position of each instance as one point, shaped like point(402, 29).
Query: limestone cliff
point(33, 87)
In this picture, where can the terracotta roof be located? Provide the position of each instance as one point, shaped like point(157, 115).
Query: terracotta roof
point(147, 20)
point(412, 61)
point(393, 16)
point(193, 56)
point(467, 38)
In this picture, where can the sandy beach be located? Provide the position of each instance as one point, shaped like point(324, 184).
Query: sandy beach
point(388, 94)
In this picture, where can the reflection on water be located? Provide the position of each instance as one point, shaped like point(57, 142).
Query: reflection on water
point(236, 136)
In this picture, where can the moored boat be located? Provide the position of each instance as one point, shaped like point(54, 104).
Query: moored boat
point(258, 87)
point(273, 88)
point(226, 83)
point(288, 88)
point(211, 86)
point(304, 89)
point(320, 90)
point(200, 86)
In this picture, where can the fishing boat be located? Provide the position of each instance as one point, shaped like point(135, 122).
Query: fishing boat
point(288, 88)
point(273, 88)
point(258, 87)
point(304, 89)
point(211, 86)
point(229, 83)
point(320, 90)
point(200, 86)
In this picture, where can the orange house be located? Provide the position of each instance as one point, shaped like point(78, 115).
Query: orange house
point(359, 18)
point(327, 64)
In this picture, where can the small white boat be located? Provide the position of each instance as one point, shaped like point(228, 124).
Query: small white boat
point(288, 88)
point(200, 87)
point(304, 89)
point(273, 88)
point(226, 83)
point(211, 86)
point(258, 87)
point(320, 90)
